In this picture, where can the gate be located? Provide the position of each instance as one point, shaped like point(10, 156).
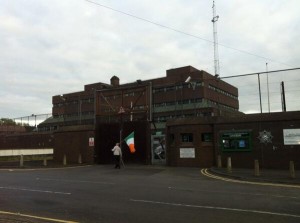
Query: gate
point(158, 149)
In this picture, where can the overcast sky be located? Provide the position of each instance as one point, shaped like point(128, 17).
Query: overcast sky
point(51, 47)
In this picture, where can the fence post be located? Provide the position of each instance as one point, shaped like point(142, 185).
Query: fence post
point(79, 158)
point(256, 168)
point(65, 160)
point(229, 167)
point(219, 161)
point(45, 161)
point(292, 169)
point(21, 160)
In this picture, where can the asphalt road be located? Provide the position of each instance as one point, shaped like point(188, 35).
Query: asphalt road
point(141, 194)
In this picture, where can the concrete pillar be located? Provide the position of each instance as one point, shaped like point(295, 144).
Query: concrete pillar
point(79, 158)
point(292, 169)
point(219, 161)
point(21, 160)
point(45, 161)
point(229, 168)
point(256, 168)
point(65, 160)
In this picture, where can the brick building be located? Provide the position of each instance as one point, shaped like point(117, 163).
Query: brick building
point(271, 138)
point(183, 92)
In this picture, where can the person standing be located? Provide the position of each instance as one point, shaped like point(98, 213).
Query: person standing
point(117, 154)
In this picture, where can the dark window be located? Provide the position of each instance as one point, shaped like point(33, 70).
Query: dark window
point(186, 137)
point(206, 137)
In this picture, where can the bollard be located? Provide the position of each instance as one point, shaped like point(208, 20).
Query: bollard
point(292, 169)
point(65, 160)
point(256, 168)
point(21, 160)
point(229, 168)
point(45, 161)
point(219, 162)
point(79, 159)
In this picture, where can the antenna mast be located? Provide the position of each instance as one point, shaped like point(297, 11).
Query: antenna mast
point(216, 52)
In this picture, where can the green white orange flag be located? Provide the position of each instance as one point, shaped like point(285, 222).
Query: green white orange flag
point(130, 142)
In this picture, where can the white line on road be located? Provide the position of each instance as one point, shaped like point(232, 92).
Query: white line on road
point(33, 190)
point(216, 208)
point(228, 192)
point(74, 181)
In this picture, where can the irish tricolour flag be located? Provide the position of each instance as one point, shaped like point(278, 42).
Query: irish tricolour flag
point(130, 142)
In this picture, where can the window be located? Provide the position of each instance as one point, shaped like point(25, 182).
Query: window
point(186, 137)
point(206, 137)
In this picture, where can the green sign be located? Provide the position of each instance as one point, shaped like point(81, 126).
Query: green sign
point(236, 141)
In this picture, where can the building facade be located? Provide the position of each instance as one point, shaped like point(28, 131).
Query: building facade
point(183, 92)
point(273, 139)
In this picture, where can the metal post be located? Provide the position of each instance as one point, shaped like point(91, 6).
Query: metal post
point(268, 88)
point(259, 92)
point(283, 97)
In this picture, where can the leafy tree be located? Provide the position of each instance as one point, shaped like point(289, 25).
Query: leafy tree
point(7, 121)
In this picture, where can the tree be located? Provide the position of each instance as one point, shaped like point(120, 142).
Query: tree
point(7, 121)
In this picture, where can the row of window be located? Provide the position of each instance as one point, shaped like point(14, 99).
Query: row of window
point(74, 102)
point(176, 87)
point(189, 137)
point(222, 91)
point(128, 94)
point(216, 104)
point(167, 117)
point(179, 102)
point(137, 107)
point(87, 113)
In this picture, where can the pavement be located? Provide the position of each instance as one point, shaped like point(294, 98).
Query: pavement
point(266, 175)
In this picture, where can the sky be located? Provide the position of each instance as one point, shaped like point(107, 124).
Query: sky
point(53, 47)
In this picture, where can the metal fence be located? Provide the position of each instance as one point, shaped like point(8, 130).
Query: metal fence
point(268, 91)
point(32, 120)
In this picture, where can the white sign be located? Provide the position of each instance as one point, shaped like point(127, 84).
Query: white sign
point(91, 141)
point(187, 152)
point(291, 136)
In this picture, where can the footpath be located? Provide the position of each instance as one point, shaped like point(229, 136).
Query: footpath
point(266, 175)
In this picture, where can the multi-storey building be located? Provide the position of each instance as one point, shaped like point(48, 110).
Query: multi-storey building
point(183, 92)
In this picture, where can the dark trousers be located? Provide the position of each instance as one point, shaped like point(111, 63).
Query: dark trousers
point(117, 160)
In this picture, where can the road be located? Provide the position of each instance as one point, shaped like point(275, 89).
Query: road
point(141, 194)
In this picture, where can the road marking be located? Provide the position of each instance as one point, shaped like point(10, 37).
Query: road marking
point(49, 168)
point(216, 208)
point(227, 192)
point(206, 173)
point(36, 217)
point(33, 190)
point(74, 181)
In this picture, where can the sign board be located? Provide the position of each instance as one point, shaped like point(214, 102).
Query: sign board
point(91, 141)
point(187, 152)
point(291, 136)
point(236, 141)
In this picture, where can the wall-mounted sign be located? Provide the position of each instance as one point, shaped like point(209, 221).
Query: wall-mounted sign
point(91, 141)
point(236, 141)
point(291, 136)
point(265, 137)
point(187, 152)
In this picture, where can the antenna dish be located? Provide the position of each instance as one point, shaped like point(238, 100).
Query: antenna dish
point(188, 79)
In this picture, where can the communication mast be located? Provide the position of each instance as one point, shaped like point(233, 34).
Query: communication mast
point(216, 52)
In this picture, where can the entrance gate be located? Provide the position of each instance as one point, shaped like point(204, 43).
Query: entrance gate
point(158, 149)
